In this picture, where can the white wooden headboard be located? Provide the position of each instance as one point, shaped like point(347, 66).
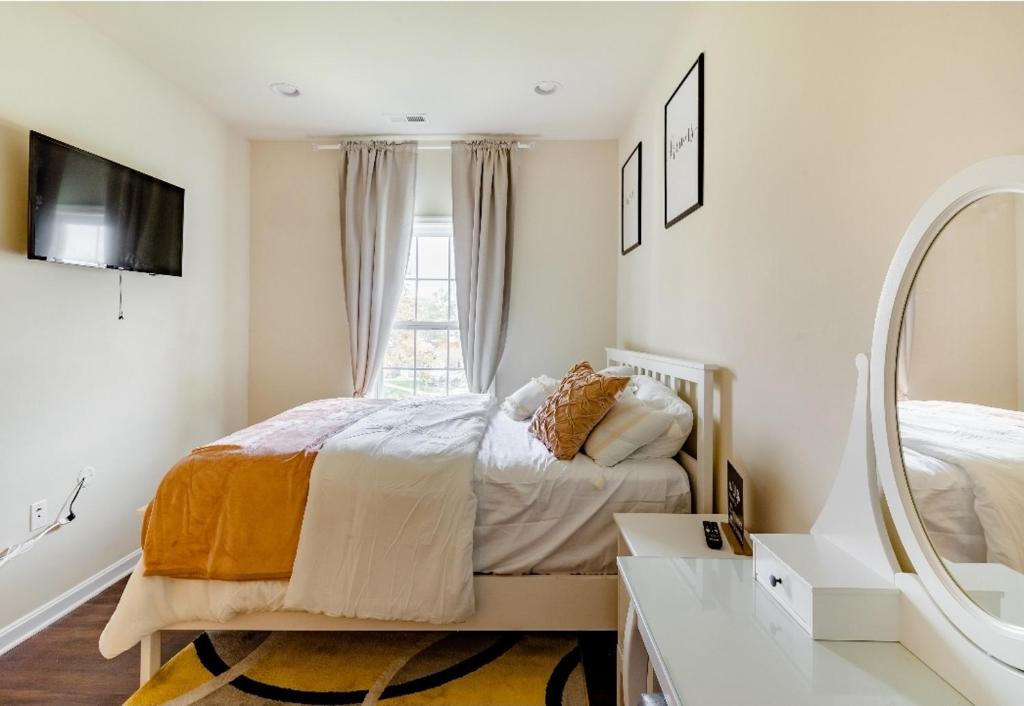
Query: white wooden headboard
point(695, 383)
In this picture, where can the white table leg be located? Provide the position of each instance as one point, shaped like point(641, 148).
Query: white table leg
point(634, 660)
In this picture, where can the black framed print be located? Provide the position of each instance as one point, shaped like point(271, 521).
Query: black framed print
point(630, 199)
point(684, 146)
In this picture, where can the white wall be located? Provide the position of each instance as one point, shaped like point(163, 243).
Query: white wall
point(77, 386)
point(827, 126)
point(298, 338)
point(563, 273)
point(434, 183)
point(563, 280)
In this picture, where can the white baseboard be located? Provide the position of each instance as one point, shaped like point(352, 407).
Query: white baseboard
point(25, 627)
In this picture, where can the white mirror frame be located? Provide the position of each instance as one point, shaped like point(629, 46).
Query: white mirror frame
point(1001, 640)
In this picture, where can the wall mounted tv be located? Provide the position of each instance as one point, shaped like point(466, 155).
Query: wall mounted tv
point(87, 210)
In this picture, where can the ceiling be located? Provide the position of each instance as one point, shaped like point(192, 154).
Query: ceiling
point(471, 67)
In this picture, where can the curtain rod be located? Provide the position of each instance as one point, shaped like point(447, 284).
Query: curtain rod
point(441, 146)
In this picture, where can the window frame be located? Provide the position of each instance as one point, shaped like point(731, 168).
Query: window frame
point(426, 227)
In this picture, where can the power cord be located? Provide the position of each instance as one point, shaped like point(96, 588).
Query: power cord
point(69, 502)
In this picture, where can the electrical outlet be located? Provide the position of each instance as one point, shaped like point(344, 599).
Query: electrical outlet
point(87, 475)
point(37, 515)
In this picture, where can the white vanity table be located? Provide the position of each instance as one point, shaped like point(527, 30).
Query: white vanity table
point(928, 418)
point(715, 638)
point(711, 635)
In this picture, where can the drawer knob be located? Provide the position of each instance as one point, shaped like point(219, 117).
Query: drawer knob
point(774, 580)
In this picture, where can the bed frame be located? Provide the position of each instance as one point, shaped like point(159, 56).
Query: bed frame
point(556, 602)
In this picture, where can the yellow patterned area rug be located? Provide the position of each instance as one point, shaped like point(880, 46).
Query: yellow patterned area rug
point(392, 668)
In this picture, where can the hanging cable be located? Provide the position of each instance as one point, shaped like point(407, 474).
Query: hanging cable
point(120, 296)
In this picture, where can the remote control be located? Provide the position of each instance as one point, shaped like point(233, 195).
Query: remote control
point(711, 535)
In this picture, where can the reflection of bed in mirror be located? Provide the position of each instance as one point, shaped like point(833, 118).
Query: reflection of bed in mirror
point(965, 468)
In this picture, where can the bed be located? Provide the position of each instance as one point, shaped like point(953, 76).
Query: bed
point(965, 468)
point(543, 539)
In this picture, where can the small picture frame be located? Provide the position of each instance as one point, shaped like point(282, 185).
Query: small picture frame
point(684, 146)
point(734, 502)
point(631, 194)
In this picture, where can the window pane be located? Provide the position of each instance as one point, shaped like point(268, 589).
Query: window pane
point(430, 383)
point(407, 303)
point(410, 270)
point(433, 257)
point(453, 303)
point(432, 303)
point(396, 384)
point(454, 350)
point(430, 349)
point(457, 382)
point(399, 353)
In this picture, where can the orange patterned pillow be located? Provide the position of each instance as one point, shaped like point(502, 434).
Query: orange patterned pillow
point(569, 414)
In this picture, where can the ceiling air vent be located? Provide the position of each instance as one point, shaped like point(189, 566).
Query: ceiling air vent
point(407, 118)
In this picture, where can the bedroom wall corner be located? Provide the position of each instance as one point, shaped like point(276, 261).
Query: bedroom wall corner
point(298, 336)
point(826, 128)
point(563, 274)
point(237, 227)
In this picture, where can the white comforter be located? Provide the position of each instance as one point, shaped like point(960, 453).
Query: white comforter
point(534, 514)
point(392, 497)
point(988, 445)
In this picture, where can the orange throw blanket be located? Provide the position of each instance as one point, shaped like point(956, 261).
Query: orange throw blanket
point(233, 510)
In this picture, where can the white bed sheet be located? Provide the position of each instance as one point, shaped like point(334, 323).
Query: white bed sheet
point(986, 446)
point(535, 514)
point(944, 496)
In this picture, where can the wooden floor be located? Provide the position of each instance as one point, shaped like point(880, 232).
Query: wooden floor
point(63, 665)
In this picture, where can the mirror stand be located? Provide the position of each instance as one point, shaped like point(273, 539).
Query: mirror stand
point(929, 634)
point(923, 629)
point(855, 495)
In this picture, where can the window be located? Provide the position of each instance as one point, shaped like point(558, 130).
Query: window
point(424, 353)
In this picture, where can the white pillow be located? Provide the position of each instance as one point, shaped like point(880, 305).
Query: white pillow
point(665, 446)
point(626, 427)
point(659, 397)
point(618, 371)
point(522, 403)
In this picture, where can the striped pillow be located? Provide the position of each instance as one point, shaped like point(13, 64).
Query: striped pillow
point(629, 425)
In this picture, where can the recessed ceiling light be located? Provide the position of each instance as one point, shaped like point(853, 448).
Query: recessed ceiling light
point(285, 89)
point(546, 88)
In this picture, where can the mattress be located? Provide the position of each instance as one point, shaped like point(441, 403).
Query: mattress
point(535, 514)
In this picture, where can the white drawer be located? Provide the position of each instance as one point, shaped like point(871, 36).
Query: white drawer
point(829, 593)
point(784, 584)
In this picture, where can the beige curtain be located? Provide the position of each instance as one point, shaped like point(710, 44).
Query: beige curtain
point(483, 203)
point(377, 184)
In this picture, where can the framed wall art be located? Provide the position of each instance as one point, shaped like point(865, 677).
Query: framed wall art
point(684, 146)
point(630, 199)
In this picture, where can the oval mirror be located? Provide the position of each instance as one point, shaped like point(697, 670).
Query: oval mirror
point(948, 401)
point(959, 364)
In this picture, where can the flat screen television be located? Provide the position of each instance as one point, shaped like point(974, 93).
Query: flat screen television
point(87, 210)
